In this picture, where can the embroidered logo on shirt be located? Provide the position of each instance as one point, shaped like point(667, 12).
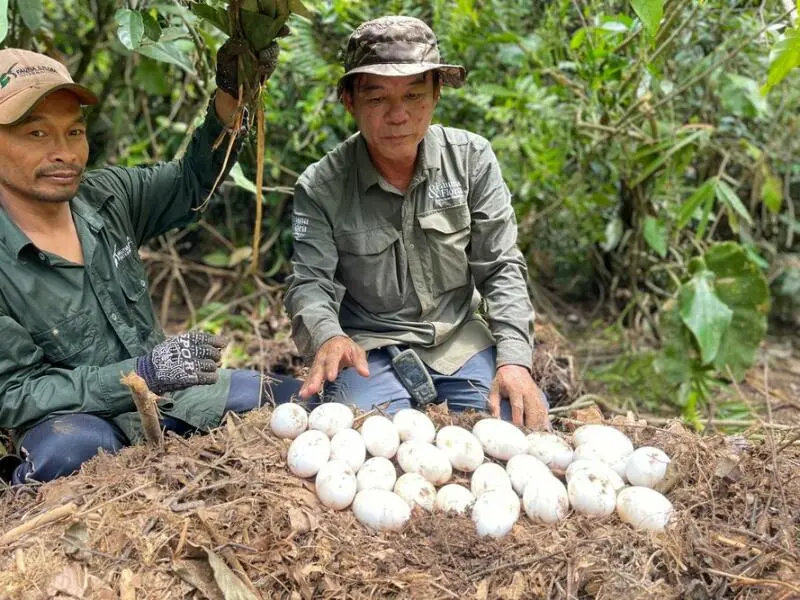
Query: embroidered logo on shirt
point(300, 227)
point(122, 253)
point(440, 193)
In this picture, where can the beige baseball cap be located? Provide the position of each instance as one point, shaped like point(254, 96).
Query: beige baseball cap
point(27, 77)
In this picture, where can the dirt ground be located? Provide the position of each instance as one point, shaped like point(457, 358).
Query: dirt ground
point(219, 516)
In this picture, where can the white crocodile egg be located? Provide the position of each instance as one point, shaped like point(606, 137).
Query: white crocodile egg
point(546, 500)
point(495, 512)
point(348, 445)
point(381, 510)
point(462, 448)
point(380, 436)
point(644, 508)
point(500, 440)
point(376, 473)
point(415, 489)
point(489, 476)
point(308, 452)
point(288, 420)
point(614, 454)
point(591, 494)
point(524, 468)
point(425, 459)
point(331, 418)
point(595, 433)
point(646, 466)
point(598, 468)
point(412, 424)
point(336, 484)
point(454, 498)
point(549, 448)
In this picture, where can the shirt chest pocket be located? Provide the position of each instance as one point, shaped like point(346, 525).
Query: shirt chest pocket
point(69, 342)
point(133, 281)
point(371, 269)
point(447, 233)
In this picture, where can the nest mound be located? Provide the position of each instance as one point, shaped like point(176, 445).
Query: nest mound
point(219, 516)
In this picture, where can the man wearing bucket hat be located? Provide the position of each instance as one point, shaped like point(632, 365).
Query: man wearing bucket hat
point(75, 314)
point(407, 282)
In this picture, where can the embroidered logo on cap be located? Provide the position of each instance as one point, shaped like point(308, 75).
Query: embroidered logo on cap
point(5, 78)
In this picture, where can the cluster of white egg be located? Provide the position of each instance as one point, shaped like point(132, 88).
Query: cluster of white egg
point(325, 446)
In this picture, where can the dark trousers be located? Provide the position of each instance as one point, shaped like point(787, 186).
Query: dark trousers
point(60, 445)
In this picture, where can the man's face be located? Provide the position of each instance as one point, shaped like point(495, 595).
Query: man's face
point(42, 157)
point(393, 113)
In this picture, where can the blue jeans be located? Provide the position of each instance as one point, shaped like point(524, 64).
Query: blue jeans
point(61, 444)
point(466, 388)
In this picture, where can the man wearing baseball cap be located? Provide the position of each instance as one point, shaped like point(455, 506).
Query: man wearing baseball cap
point(407, 283)
point(75, 313)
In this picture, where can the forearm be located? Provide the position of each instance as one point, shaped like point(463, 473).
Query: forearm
point(509, 311)
point(226, 107)
point(30, 394)
point(313, 308)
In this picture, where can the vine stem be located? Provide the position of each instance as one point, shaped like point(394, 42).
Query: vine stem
point(260, 132)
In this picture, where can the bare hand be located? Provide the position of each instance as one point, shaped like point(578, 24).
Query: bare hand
point(333, 356)
point(515, 383)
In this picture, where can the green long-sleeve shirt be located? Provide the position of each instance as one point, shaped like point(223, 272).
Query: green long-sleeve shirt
point(67, 331)
point(388, 267)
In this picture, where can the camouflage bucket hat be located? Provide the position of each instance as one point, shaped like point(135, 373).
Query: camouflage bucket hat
point(397, 47)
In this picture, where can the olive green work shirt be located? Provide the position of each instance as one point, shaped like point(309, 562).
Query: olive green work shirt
point(68, 332)
point(389, 267)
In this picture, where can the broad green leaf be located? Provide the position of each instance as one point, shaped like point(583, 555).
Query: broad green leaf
point(706, 316)
point(577, 38)
point(151, 27)
point(168, 52)
point(218, 17)
point(655, 234)
point(663, 158)
point(241, 180)
point(697, 199)
point(130, 28)
point(742, 97)
point(3, 21)
point(785, 57)
point(152, 77)
point(32, 13)
point(650, 13)
point(729, 198)
point(741, 285)
point(772, 193)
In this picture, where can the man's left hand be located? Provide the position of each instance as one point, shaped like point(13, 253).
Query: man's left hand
point(515, 383)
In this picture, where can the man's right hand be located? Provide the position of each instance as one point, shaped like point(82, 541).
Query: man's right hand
point(182, 361)
point(333, 356)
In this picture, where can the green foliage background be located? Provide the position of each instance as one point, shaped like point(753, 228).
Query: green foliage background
point(633, 134)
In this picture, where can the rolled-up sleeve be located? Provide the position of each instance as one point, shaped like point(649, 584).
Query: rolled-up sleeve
point(498, 267)
point(313, 296)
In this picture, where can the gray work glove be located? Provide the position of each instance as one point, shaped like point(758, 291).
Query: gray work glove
point(228, 65)
point(180, 362)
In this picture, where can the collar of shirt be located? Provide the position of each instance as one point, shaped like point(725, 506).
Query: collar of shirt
point(428, 158)
point(16, 240)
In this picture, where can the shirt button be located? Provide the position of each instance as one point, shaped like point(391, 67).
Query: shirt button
point(113, 316)
point(411, 246)
point(42, 256)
